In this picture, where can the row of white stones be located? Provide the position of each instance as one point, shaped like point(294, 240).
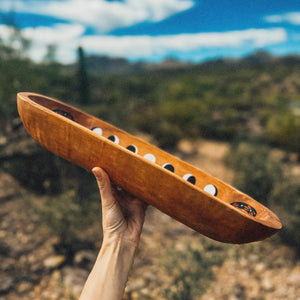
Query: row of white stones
point(210, 188)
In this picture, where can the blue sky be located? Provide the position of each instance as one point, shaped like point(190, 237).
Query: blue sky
point(152, 30)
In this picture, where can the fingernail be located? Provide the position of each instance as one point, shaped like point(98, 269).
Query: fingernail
point(97, 172)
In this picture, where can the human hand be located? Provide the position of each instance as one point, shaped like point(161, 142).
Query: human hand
point(122, 218)
point(122, 214)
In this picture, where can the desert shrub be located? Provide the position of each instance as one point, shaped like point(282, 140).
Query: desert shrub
point(167, 135)
point(284, 130)
point(256, 173)
point(75, 208)
point(189, 270)
point(262, 178)
point(68, 215)
point(191, 118)
point(37, 171)
point(70, 194)
point(286, 199)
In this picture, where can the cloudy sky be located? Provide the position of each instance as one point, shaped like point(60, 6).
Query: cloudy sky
point(152, 30)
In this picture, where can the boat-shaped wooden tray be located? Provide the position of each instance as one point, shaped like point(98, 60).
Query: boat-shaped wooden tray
point(178, 189)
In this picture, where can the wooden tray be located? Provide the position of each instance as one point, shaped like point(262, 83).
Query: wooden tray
point(178, 189)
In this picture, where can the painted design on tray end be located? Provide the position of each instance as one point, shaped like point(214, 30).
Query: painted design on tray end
point(246, 207)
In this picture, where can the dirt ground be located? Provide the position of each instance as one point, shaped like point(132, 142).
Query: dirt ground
point(31, 269)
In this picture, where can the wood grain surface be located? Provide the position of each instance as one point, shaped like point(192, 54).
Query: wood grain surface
point(189, 195)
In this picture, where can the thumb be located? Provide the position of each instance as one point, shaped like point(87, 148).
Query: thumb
point(105, 188)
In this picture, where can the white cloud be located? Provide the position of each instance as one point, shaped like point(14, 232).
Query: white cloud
point(67, 37)
point(145, 46)
point(59, 33)
point(292, 18)
point(5, 33)
point(64, 36)
point(100, 14)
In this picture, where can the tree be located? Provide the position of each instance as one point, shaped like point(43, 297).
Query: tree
point(50, 55)
point(83, 81)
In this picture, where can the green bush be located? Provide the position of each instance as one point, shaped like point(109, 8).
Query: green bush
point(70, 194)
point(262, 178)
point(286, 199)
point(256, 173)
point(67, 215)
point(189, 269)
point(39, 171)
point(283, 129)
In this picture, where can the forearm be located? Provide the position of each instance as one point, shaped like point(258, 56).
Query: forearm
point(109, 275)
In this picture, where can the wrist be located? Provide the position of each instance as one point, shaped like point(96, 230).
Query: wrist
point(109, 275)
point(119, 241)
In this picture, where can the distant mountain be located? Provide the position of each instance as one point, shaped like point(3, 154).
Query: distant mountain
point(102, 65)
point(260, 57)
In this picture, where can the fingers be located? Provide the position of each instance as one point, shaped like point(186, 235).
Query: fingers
point(103, 181)
point(122, 214)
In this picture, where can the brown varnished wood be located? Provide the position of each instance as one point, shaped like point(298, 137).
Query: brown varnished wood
point(74, 140)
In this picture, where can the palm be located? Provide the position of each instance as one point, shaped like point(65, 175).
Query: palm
point(122, 214)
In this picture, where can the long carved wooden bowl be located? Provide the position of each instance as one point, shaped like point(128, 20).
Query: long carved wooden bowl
point(178, 189)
